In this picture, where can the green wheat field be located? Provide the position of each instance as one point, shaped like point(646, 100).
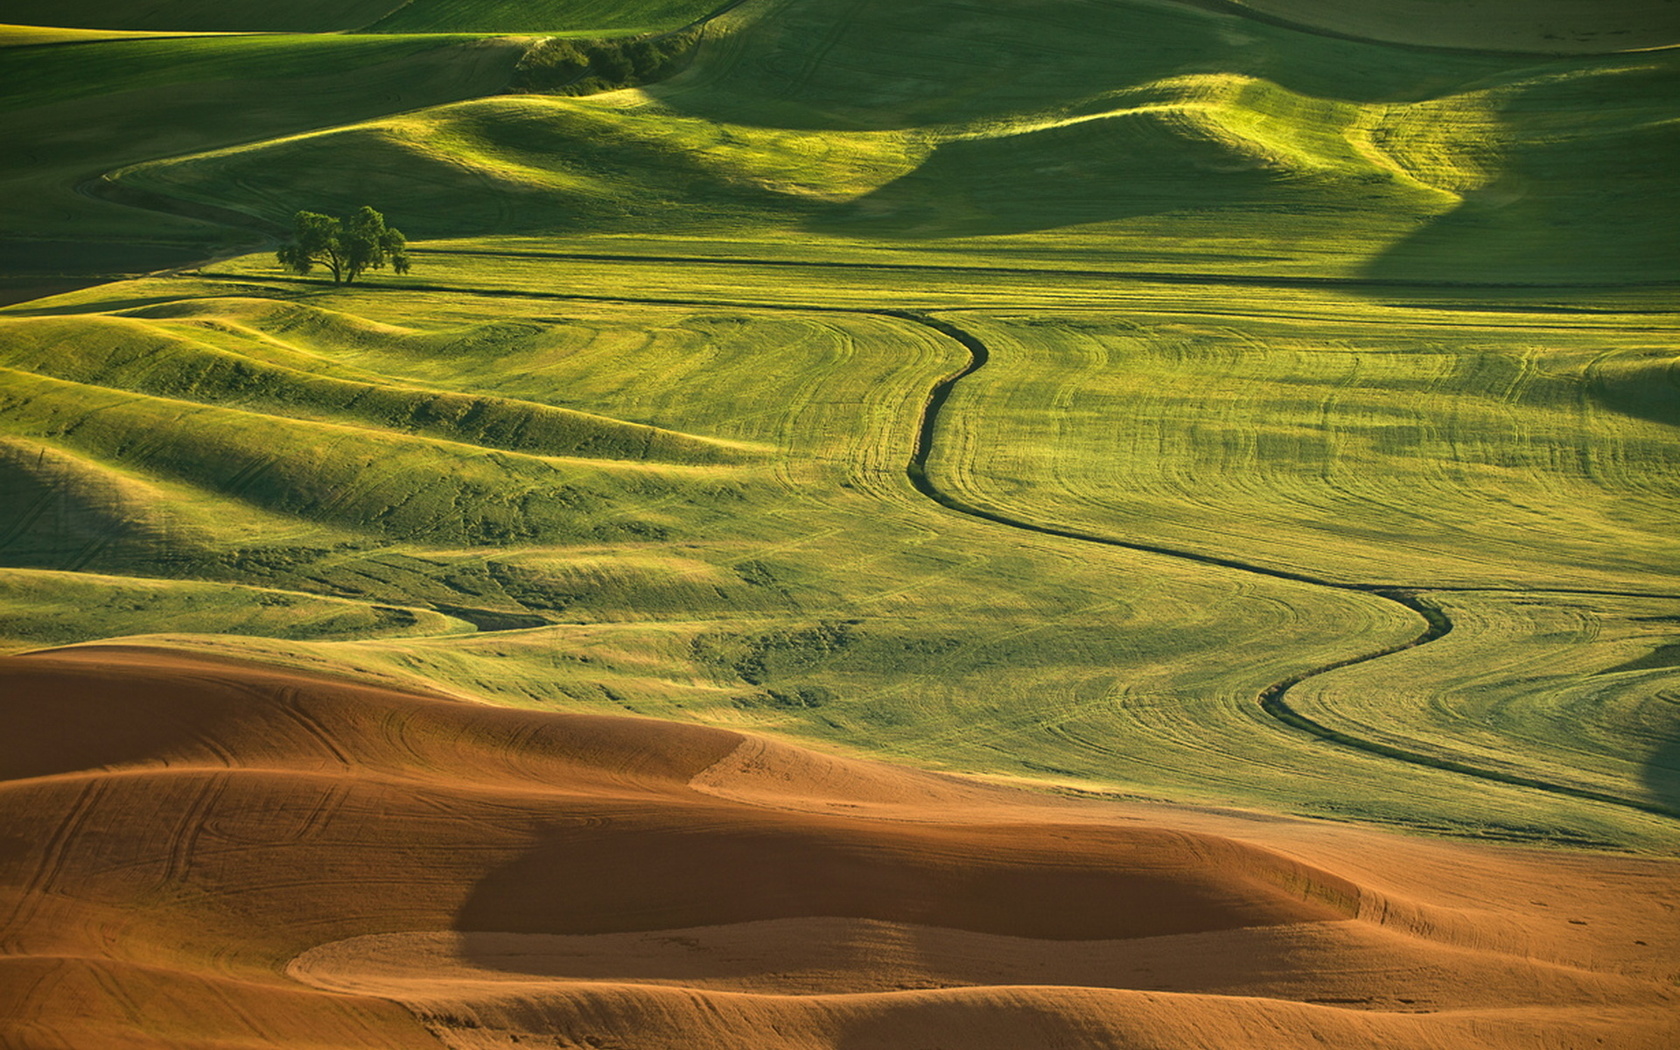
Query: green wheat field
point(1265, 405)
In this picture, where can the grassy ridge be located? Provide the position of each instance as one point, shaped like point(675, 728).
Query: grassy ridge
point(1253, 145)
point(179, 360)
point(40, 77)
point(53, 608)
point(362, 456)
point(538, 163)
point(86, 109)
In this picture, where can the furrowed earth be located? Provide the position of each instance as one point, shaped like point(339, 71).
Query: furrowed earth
point(1094, 523)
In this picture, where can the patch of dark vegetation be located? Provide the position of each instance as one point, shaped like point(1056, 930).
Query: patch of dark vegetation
point(781, 653)
point(586, 67)
point(646, 531)
point(920, 647)
point(491, 619)
point(393, 617)
point(803, 696)
point(1039, 767)
point(529, 592)
point(757, 574)
point(267, 563)
point(776, 656)
point(793, 698)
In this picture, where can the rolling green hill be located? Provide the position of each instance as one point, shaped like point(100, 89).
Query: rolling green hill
point(1110, 129)
point(1114, 395)
point(80, 110)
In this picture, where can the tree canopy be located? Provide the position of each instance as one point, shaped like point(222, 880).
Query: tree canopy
point(347, 247)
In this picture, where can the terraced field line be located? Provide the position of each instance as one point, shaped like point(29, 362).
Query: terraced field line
point(1271, 699)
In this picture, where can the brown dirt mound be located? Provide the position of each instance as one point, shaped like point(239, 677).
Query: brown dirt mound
point(205, 853)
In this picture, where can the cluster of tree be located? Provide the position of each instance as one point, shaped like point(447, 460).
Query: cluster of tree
point(348, 247)
point(584, 67)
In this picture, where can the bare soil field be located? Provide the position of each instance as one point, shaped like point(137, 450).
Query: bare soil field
point(251, 856)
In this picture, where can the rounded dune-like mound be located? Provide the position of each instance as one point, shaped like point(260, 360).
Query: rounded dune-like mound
point(208, 853)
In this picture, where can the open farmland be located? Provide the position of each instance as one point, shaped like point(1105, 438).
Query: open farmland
point(1223, 455)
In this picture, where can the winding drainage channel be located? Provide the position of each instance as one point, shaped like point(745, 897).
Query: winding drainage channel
point(1273, 700)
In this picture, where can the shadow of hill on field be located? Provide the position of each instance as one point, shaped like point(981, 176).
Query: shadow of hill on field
point(1647, 388)
point(1662, 769)
point(1580, 181)
point(1661, 774)
point(1101, 170)
point(1226, 144)
point(704, 865)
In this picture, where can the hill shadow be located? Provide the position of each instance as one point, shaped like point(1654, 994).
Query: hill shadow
point(1099, 170)
point(68, 713)
point(1662, 769)
point(1528, 231)
point(629, 865)
point(1648, 390)
point(1586, 188)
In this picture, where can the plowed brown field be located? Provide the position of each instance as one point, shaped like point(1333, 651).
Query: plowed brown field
point(204, 853)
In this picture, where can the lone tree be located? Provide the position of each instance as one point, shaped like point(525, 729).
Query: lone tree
point(347, 246)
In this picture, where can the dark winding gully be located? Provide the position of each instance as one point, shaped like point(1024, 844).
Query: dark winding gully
point(1273, 699)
